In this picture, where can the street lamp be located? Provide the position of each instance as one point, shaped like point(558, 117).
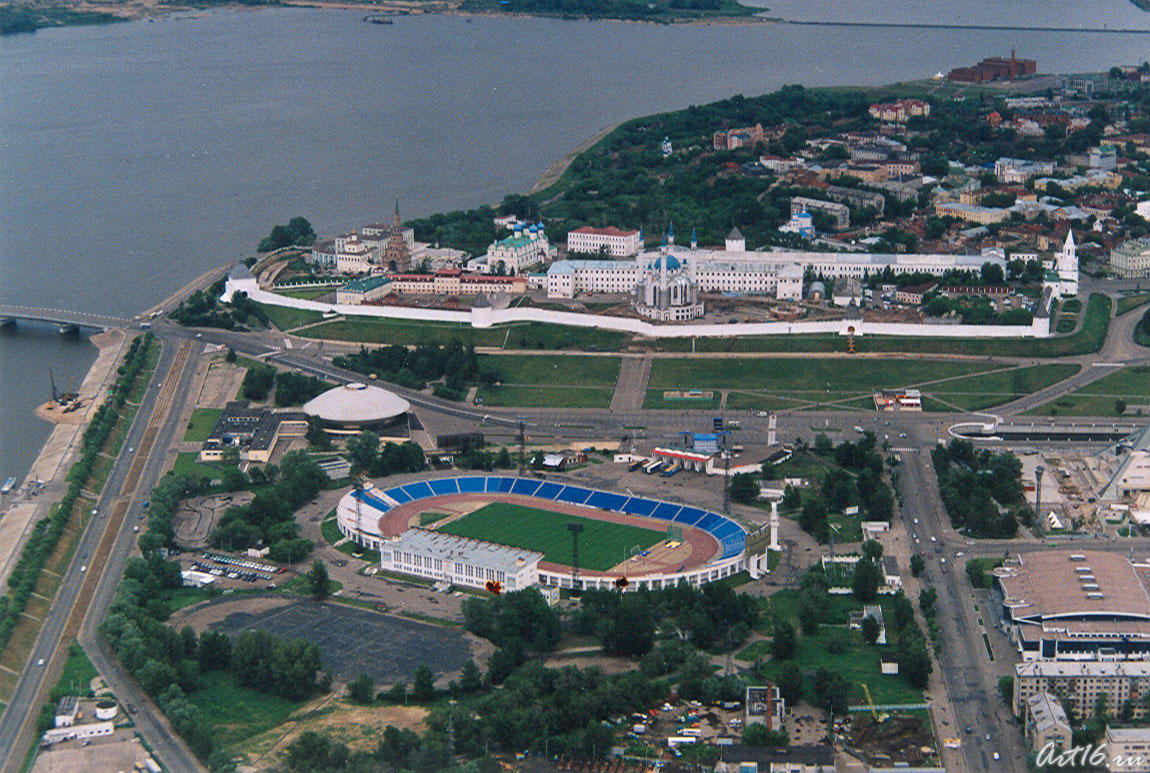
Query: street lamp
point(1038, 491)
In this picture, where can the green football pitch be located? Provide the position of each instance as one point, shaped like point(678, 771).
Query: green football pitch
point(602, 544)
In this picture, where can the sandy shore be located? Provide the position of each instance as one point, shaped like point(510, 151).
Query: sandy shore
point(20, 508)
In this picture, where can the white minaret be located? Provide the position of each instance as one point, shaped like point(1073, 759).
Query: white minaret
point(772, 429)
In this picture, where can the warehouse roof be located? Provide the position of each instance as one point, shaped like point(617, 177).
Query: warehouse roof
point(1073, 584)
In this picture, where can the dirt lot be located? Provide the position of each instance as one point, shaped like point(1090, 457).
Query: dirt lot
point(196, 517)
point(119, 751)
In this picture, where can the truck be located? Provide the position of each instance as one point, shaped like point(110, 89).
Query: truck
point(637, 464)
point(674, 468)
point(652, 467)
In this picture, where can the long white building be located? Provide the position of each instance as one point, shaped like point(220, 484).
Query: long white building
point(459, 560)
point(749, 272)
point(618, 243)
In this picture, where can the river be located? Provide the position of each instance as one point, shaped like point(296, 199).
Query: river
point(134, 157)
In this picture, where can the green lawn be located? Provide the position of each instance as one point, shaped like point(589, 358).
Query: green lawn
point(373, 330)
point(559, 369)
point(1131, 385)
point(426, 519)
point(203, 420)
point(859, 662)
point(986, 390)
point(77, 675)
point(1131, 302)
point(307, 294)
point(602, 544)
point(186, 464)
point(237, 713)
point(286, 318)
point(654, 399)
point(546, 396)
point(804, 374)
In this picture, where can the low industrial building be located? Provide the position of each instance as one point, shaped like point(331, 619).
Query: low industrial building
point(355, 407)
point(73, 732)
point(252, 432)
point(1066, 605)
point(460, 561)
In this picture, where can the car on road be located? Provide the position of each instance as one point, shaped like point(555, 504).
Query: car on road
point(933, 538)
point(969, 729)
point(40, 662)
point(916, 521)
point(996, 756)
point(84, 568)
point(988, 736)
point(131, 449)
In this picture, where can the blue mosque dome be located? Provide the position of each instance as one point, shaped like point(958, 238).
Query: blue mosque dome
point(673, 263)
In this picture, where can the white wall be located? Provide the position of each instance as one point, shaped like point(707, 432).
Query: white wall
point(487, 317)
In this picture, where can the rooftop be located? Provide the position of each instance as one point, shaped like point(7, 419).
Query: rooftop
point(357, 402)
point(1074, 584)
point(444, 546)
point(608, 231)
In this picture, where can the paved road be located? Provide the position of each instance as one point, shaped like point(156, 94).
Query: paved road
point(90, 581)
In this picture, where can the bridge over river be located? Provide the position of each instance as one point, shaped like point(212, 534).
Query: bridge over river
point(66, 319)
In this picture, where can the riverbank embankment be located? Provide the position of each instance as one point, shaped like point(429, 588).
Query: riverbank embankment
point(48, 475)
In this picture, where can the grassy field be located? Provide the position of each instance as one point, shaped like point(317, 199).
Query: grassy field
point(546, 396)
point(186, 464)
point(287, 318)
point(1131, 385)
point(238, 713)
point(203, 420)
point(426, 519)
point(858, 662)
point(1131, 302)
point(565, 370)
point(307, 294)
point(804, 374)
point(989, 389)
point(601, 544)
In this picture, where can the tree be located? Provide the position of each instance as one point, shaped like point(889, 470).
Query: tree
point(1006, 689)
point(872, 550)
point(757, 734)
point(866, 581)
point(745, 487)
point(318, 582)
point(917, 564)
point(423, 684)
point(361, 689)
point(789, 680)
point(316, 436)
point(469, 679)
point(1119, 407)
point(831, 691)
point(231, 355)
point(363, 450)
point(783, 643)
point(992, 274)
point(870, 629)
point(914, 661)
point(234, 479)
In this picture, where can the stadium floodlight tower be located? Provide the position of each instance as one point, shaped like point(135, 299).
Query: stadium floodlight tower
point(574, 528)
point(357, 484)
point(522, 441)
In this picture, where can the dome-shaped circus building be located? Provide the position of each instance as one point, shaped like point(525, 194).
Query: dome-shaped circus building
point(355, 407)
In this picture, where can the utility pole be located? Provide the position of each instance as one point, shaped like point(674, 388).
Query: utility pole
point(357, 483)
point(574, 528)
point(1038, 493)
point(522, 442)
point(724, 451)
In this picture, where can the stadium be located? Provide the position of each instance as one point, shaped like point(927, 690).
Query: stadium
point(523, 531)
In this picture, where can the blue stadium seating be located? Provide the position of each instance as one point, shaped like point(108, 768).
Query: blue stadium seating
point(525, 487)
point(606, 501)
point(444, 486)
point(731, 537)
point(398, 494)
point(419, 490)
point(548, 490)
point(639, 506)
point(689, 516)
point(574, 495)
point(471, 485)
